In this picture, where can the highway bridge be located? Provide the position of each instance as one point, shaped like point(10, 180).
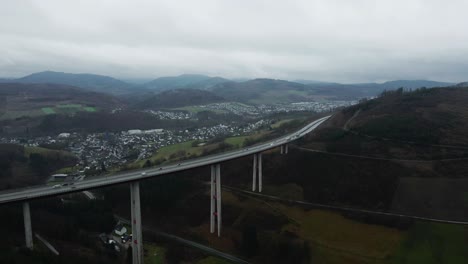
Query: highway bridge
point(135, 176)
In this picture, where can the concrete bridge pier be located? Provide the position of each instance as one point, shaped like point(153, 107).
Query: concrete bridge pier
point(254, 173)
point(27, 225)
point(282, 149)
point(260, 173)
point(257, 166)
point(218, 197)
point(213, 199)
point(137, 245)
point(215, 209)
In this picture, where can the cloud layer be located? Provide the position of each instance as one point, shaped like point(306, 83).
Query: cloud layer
point(333, 40)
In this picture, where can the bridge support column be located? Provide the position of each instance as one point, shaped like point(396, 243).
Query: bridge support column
point(215, 210)
point(27, 225)
point(218, 197)
point(260, 172)
point(257, 165)
point(213, 198)
point(254, 173)
point(286, 149)
point(137, 245)
point(282, 149)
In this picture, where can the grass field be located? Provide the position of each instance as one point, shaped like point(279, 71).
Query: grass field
point(90, 109)
point(48, 110)
point(69, 106)
point(197, 109)
point(16, 114)
point(432, 243)
point(57, 109)
point(212, 260)
point(154, 254)
point(279, 123)
point(336, 239)
point(165, 153)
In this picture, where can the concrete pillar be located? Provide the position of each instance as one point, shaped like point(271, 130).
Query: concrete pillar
point(254, 173)
point(218, 196)
point(259, 172)
point(282, 149)
point(137, 246)
point(27, 225)
point(286, 149)
point(212, 199)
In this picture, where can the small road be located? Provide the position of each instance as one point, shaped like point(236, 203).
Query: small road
point(90, 195)
point(47, 244)
point(210, 251)
point(34, 192)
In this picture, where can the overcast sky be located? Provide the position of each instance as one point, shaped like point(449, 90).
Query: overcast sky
point(328, 40)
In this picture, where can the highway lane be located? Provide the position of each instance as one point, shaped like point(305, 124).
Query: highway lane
point(136, 175)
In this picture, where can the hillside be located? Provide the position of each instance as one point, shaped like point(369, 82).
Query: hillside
point(266, 91)
point(24, 166)
point(192, 81)
point(409, 149)
point(179, 98)
point(92, 82)
point(40, 99)
point(435, 116)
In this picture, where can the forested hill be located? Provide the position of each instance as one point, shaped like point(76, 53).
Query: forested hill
point(435, 116)
point(179, 98)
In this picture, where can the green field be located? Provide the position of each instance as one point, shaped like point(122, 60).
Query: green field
point(154, 254)
point(334, 238)
point(279, 123)
point(69, 106)
point(197, 109)
point(432, 243)
point(57, 109)
point(90, 109)
point(16, 114)
point(48, 110)
point(212, 260)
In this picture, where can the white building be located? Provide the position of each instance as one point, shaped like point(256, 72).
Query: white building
point(64, 135)
point(134, 131)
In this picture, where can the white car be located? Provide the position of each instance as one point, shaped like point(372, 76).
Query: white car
point(143, 173)
point(56, 186)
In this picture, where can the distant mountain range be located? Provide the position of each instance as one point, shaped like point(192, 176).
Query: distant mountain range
point(249, 91)
point(93, 82)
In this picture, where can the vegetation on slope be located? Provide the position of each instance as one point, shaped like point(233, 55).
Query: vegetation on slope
point(179, 98)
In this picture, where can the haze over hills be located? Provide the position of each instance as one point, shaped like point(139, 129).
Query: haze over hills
point(93, 82)
point(263, 91)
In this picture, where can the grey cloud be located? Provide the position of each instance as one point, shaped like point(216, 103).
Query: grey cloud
point(334, 40)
